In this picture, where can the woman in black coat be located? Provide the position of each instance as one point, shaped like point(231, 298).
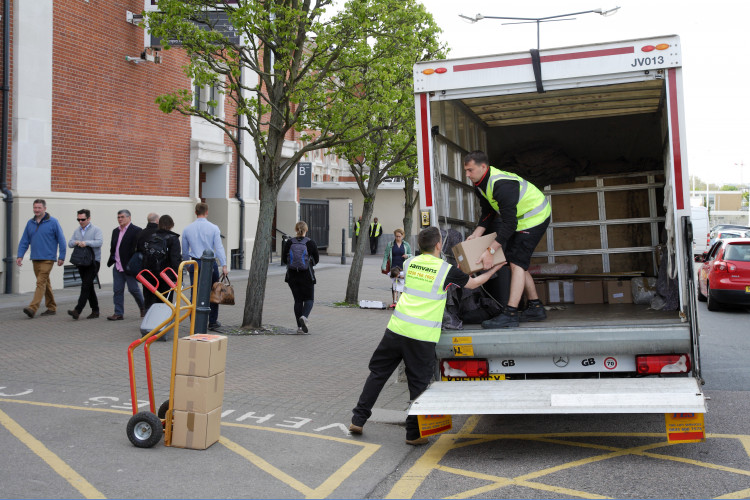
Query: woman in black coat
point(173, 258)
point(301, 278)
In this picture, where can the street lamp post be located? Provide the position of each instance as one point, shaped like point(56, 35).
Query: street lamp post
point(539, 20)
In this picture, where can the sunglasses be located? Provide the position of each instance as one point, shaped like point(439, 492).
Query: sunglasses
point(81, 220)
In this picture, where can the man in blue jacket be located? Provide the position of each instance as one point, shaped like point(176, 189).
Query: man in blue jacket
point(45, 236)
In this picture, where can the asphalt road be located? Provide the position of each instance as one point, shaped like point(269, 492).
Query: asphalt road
point(65, 402)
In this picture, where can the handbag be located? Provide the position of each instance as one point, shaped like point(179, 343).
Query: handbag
point(387, 267)
point(222, 292)
point(135, 264)
point(82, 256)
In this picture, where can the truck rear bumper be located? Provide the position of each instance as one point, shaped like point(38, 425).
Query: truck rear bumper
point(558, 396)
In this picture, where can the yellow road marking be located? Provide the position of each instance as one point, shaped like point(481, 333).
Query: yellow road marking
point(326, 488)
point(266, 467)
point(415, 476)
point(64, 470)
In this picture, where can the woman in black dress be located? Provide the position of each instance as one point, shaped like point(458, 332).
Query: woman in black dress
point(300, 254)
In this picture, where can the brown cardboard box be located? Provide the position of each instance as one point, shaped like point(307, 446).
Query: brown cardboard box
point(541, 290)
point(588, 292)
point(467, 253)
point(196, 431)
point(198, 394)
point(201, 355)
point(619, 292)
point(560, 291)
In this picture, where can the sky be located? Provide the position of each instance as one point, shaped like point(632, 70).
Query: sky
point(715, 58)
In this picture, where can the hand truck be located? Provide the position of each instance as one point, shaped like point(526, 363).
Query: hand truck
point(146, 428)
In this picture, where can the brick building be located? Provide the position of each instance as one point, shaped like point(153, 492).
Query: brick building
point(84, 132)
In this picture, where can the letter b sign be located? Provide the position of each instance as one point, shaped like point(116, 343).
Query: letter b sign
point(304, 174)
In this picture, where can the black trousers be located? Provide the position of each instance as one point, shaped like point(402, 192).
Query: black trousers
point(374, 244)
point(419, 358)
point(88, 293)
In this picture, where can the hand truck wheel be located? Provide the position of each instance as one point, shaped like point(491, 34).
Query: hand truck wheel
point(162, 413)
point(145, 429)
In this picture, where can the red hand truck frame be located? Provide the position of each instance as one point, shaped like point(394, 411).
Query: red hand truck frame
point(146, 428)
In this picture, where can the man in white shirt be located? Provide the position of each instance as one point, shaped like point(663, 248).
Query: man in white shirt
point(203, 235)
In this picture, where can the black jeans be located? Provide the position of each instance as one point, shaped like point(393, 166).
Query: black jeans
point(88, 293)
point(419, 358)
point(374, 244)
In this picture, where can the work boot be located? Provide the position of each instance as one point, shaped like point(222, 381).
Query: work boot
point(29, 312)
point(74, 313)
point(508, 319)
point(418, 441)
point(535, 312)
point(355, 429)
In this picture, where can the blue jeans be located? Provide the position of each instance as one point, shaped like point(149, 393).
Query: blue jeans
point(118, 287)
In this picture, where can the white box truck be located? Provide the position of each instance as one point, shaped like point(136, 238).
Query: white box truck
point(600, 128)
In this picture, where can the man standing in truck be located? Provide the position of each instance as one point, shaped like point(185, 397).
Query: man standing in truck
point(519, 213)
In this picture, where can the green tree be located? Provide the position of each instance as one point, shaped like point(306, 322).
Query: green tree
point(297, 55)
point(379, 70)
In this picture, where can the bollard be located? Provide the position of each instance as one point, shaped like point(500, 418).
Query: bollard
point(343, 246)
point(203, 294)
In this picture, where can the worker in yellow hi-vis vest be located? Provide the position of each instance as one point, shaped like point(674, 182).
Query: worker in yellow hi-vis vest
point(375, 231)
point(414, 329)
point(519, 213)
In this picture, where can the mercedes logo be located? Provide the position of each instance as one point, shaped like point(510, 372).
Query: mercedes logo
point(561, 361)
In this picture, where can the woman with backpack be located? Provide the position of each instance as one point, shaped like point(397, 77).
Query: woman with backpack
point(300, 254)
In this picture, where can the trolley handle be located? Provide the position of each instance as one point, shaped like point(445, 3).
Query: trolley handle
point(146, 282)
point(165, 276)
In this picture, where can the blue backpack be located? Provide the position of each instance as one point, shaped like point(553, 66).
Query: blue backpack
point(298, 258)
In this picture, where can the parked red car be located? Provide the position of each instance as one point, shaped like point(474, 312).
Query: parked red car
point(724, 276)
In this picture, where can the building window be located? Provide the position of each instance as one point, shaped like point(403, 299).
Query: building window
point(203, 95)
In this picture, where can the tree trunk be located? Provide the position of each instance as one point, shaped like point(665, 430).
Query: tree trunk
point(410, 200)
point(256, 282)
point(363, 245)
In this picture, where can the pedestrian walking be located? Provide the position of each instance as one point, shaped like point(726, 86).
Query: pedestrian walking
point(396, 252)
point(47, 241)
point(414, 329)
point(203, 235)
point(300, 254)
point(89, 237)
point(160, 251)
point(375, 231)
point(519, 213)
point(121, 249)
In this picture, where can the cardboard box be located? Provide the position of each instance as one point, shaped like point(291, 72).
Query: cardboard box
point(198, 394)
point(588, 292)
point(196, 431)
point(541, 291)
point(201, 355)
point(467, 253)
point(619, 292)
point(560, 292)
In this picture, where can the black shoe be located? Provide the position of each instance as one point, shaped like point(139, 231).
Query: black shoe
point(48, 312)
point(212, 326)
point(504, 320)
point(74, 313)
point(94, 314)
point(29, 312)
point(535, 312)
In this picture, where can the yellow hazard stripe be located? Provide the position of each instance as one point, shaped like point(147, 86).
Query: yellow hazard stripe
point(63, 469)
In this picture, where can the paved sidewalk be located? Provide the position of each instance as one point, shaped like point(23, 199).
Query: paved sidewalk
point(321, 372)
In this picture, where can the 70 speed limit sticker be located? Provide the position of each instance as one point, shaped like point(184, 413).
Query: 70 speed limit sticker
point(610, 363)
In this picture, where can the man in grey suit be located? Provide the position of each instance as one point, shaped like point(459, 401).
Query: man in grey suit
point(87, 235)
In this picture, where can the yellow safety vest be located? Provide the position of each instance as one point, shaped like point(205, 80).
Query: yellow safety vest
point(375, 229)
point(419, 312)
point(533, 207)
point(356, 228)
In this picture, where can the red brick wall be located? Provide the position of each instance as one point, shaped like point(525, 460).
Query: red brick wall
point(108, 135)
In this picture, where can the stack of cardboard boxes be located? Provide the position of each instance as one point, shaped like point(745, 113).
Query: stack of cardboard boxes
point(198, 390)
